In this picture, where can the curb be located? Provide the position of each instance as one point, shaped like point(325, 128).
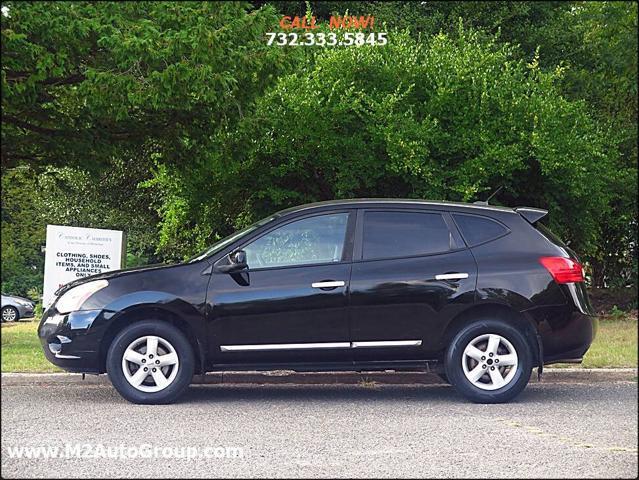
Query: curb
point(587, 375)
point(550, 375)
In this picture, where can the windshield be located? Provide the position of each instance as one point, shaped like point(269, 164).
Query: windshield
point(219, 245)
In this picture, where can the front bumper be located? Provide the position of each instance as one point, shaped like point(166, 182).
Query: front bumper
point(26, 311)
point(69, 341)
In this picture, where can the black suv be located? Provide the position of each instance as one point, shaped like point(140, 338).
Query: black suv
point(479, 294)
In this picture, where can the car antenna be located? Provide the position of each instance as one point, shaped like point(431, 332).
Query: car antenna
point(485, 202)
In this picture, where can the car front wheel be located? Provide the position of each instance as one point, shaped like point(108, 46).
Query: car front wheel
point(10, 314)
point(150, 362)
point(489, 361)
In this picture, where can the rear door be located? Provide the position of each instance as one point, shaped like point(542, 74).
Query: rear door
point(411, 275)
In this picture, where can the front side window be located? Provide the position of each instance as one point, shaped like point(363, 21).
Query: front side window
point(318, 239)
point(404, 234)
point(221, 244)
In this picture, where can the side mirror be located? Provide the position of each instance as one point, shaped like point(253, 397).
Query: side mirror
point(235, 261)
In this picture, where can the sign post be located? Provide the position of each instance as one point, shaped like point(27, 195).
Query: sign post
point(74, 252)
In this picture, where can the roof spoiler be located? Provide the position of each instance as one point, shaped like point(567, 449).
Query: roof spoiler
point(531, 214)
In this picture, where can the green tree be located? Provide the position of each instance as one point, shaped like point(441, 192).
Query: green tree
point(595, 43)
point(84, 82)
point(107, 88)
point(109, 199)
point(177, 118)
point(23, 233)
point(464, 116)
point(69, 196)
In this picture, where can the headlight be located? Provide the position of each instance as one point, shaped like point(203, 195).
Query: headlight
point(74, 298)
point(54, 320)
point(24, 303)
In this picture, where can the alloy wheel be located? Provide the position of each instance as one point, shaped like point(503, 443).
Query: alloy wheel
point(150, 363)
point(9, 314)
point(490, 361)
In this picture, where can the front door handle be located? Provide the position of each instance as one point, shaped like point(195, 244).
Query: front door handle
point(451, 276)
point(328, 284)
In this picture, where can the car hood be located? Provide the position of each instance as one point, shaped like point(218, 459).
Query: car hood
point(112, 274)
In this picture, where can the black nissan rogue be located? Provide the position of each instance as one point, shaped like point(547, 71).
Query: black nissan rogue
point(478, 293)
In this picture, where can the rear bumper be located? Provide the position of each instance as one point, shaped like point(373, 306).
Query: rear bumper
point(567, 340)
point(566, 330)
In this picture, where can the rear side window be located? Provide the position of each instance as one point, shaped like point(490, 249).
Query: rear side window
point(476, 229)
point(404, 234)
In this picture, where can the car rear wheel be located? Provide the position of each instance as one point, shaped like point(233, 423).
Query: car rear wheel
point(150, 362)
point(489, 361)
point(10, 314)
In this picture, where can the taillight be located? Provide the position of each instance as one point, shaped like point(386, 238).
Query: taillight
point(563, 270)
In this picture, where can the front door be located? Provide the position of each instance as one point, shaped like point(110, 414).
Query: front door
point(290, 306)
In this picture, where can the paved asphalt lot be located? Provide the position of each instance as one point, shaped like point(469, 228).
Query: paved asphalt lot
point(552, 430)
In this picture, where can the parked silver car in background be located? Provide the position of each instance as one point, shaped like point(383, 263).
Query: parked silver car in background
point(14, 308)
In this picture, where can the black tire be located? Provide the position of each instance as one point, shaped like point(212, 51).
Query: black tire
point(444, 378)
point(455, 370)
point(166, 332)
point(7, 310)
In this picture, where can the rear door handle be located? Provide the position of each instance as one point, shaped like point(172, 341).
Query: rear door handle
point(451, 276)
point(328, 284)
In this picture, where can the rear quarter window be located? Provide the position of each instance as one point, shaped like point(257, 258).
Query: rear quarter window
point(477, 229)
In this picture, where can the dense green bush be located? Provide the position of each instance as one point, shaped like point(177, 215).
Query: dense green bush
point(452, 118)
point(177, 123)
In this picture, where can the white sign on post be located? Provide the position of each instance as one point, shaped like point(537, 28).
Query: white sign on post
point(74, 252)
